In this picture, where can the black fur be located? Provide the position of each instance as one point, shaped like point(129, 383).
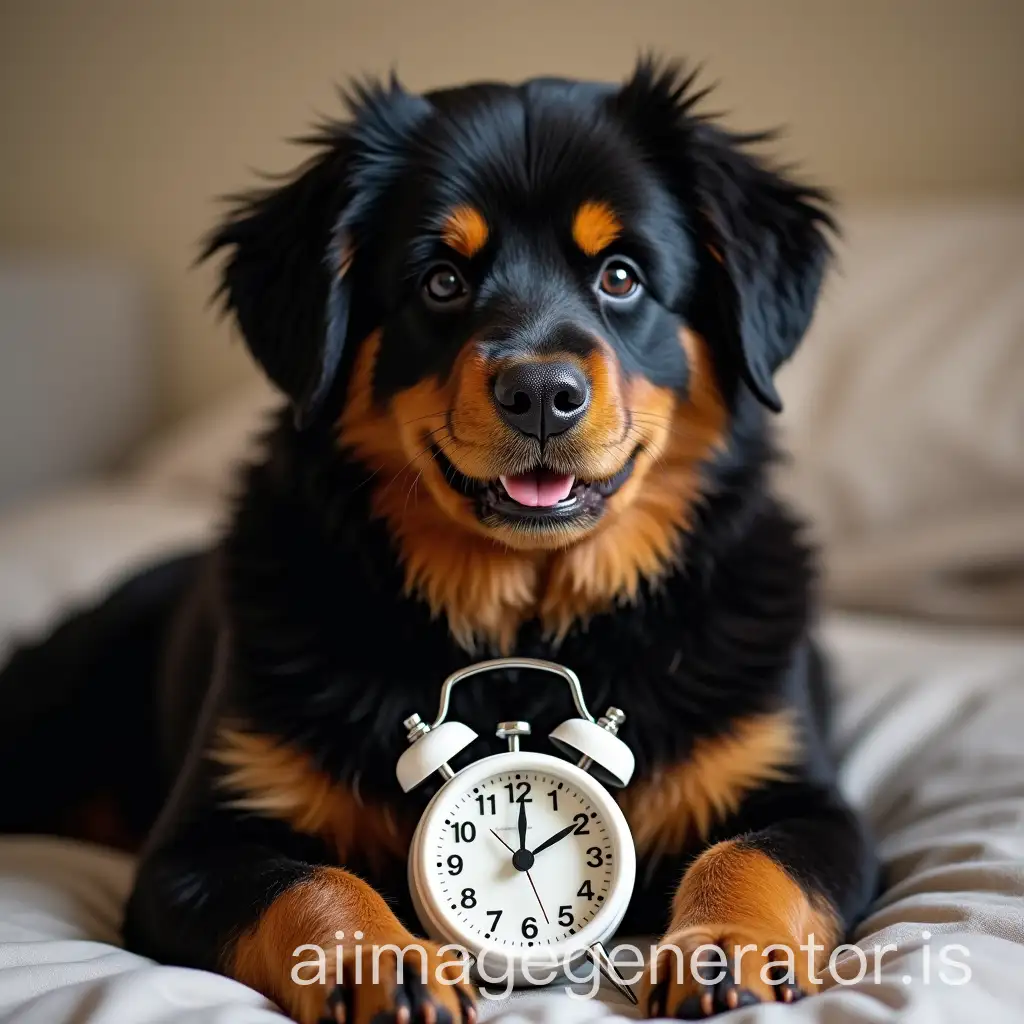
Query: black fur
point(75, 713)
point(304, 599)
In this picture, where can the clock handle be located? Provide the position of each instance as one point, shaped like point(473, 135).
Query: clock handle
point(495, 664)
point(599, 957)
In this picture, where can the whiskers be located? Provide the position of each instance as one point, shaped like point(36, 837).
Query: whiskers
point(435, 445)
point(686, 446)
point(446, 413)
point(652, 420)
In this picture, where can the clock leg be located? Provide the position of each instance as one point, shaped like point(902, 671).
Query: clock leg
point(599, 957)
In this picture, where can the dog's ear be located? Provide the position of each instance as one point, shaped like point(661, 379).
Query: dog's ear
point(285, 279)
point(288, 275)
point(762, 236)
point(767, 233)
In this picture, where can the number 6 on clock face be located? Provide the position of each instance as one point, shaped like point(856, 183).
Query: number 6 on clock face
point(522, 857)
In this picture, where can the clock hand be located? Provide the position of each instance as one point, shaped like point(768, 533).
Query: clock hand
point(522, 859)
point(557, 837)
point(537, 894)
point(502, 841)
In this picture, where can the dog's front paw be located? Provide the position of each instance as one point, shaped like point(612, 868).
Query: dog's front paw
point(410, 984)
point(689, 980)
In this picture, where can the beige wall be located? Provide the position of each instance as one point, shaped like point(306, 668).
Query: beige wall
point(120, 120)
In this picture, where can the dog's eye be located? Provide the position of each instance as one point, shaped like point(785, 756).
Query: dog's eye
point(619, 279)
point(444, 286)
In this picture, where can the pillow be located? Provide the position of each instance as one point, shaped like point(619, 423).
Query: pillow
point(199, 457)
point(72, 546)
point(77, 373)
point(905, 417)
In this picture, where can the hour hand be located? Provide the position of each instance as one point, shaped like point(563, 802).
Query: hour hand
point(557, 837)
point(522, 859)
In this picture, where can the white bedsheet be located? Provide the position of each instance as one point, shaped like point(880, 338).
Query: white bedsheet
point(931, 727)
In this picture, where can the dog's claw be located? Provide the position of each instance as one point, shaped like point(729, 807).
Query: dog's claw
point(656, 1000)
point(337, 1006)
point(789, 993)
point(468, 1009)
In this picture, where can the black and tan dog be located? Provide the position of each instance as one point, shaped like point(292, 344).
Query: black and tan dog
point(528, 335)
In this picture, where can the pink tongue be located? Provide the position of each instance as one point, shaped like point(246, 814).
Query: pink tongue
point(538, 489)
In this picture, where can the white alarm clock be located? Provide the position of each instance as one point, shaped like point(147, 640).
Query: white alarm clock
point(524, 859)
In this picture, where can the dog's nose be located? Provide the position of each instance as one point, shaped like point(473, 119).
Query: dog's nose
point(542, 399)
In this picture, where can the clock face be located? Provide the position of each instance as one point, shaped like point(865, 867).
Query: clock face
point(520, 860)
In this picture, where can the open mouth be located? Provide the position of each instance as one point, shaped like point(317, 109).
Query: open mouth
point(539, 495)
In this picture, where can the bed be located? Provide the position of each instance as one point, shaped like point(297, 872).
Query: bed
point(907, 424)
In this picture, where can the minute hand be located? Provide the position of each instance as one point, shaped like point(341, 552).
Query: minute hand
point(557, 837)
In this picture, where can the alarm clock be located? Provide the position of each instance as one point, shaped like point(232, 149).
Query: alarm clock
point(523, 859)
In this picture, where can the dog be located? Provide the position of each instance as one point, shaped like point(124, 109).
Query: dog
point(527, 336)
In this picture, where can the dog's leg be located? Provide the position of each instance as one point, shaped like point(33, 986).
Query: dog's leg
point(775, 900)
point(245, 910)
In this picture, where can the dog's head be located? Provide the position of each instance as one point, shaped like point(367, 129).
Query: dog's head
point(535, 307)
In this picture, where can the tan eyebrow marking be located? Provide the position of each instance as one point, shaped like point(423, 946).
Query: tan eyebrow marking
point(465, 231)
point(595, 226)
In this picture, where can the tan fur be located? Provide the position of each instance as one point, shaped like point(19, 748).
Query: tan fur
point(475, 431)
point(312, 912)
point(465, 231)
point(484, 590)
point(486, 583)
point(595, 226)
point(733, 897)
point(680, 804)
point(606, 422)
point(268, 777)
point(309, 912)
point(731, 883)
